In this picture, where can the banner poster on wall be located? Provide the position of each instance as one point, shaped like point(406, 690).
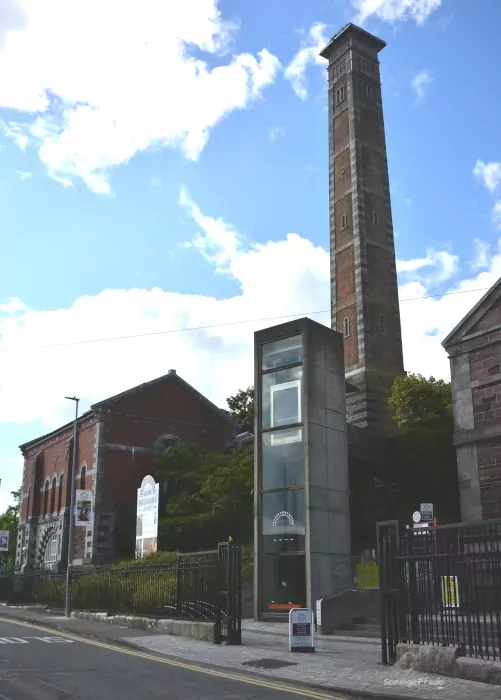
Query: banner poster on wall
point(4, 540)
point(147, 517)
point(84, 507)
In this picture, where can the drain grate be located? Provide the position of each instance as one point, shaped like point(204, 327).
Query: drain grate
point(269, 663)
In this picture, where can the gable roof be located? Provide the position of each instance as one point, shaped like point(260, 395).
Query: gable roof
point(55, 432)
point(474, 315)
point(171, 376)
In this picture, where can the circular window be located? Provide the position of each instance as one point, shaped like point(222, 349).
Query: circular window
point(164, 443)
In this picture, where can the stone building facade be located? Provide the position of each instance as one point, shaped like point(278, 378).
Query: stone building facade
point(364, 294)
point(117, 440)
point(474, 349)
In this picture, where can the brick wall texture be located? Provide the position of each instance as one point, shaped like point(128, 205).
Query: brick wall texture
point(117, 443)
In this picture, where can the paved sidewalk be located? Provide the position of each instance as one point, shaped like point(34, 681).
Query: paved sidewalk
point(340, 664)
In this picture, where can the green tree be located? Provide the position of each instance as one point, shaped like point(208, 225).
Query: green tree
point(209, 497)
point(421, 459)
point(10, 521)
point(421, 466)
point(241, 407)
point(416, 401)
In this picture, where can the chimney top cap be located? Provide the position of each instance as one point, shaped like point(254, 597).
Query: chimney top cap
point(351, 30)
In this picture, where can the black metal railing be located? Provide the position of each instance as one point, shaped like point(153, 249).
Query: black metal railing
point(200, 586)
point(442, 585)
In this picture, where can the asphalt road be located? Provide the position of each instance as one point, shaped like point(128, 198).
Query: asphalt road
point(40, 664)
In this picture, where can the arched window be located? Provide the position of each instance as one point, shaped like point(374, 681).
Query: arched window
point(51, 549)
point(53, 496)
point(164, 442)
point(28, 504)
point(83, 472)
point(375, 218)
point(382, 324)
point(60, 496)
point(46, 498)
point(346, 327)
point(344, 221)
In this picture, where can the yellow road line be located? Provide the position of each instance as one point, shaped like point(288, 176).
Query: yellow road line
point(180, 664)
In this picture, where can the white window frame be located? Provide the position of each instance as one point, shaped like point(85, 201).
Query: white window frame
point(50, 556)
point(274, 389)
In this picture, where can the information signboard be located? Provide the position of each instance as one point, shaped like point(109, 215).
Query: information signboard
point(301, 624)
point(147, 517)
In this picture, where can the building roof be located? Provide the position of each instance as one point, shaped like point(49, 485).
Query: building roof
point(352, 30)
point(62, 429)
point(473, 315)
point(171, 376)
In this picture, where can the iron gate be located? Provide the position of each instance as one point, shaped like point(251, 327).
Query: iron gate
point(441, 586)
point(387, 549)
point(204, 586)
point(214, 591)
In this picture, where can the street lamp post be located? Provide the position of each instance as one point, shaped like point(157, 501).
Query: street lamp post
point(69, 567)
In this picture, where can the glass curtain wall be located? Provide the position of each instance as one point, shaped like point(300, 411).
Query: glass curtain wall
point(281, 482)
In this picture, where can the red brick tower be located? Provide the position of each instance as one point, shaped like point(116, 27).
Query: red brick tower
point(365, 307)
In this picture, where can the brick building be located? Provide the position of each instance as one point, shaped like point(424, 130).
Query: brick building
point(364, 293)
point(474, 349)
point(117, 440)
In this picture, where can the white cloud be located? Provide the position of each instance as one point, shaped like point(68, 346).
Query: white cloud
point(496, 214)
point(107, 82)
point(419, 83)
point(443, 263)
point(24, 175)
point(395, 10)
point(307, 54)
point(482, 254)
point(15, 131)
point(217, 360)
point(275, 132)
point(489, 174)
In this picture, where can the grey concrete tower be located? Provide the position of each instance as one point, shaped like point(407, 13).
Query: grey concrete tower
point(364, 292)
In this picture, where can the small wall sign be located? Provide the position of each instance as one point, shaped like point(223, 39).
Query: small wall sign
point(301, 625)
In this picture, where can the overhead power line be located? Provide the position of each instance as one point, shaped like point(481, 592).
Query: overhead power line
point(212, 325)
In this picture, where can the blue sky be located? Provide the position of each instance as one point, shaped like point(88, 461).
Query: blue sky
point(169, 171)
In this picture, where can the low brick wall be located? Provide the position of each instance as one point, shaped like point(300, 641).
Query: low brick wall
point(194, 629)
point(446, 661)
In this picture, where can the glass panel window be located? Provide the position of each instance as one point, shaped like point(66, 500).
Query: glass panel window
point(281, 398)
point(283, 528)
point(282, 459)
point(281, 353)
point(284, 583)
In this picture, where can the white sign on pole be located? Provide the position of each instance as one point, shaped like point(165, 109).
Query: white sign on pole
point(84, 507)
point(4, 540)
point(147, 517)
point(301, 622)
point(319, 612)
